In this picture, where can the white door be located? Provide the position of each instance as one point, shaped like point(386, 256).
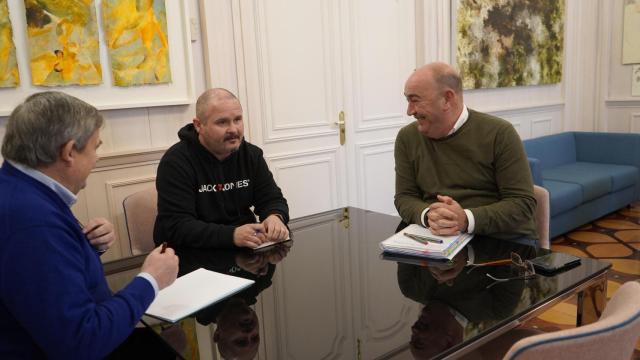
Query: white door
point(380, 49)
point(296, 65)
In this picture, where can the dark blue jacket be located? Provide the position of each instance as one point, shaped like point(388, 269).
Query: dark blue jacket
point(54, 299)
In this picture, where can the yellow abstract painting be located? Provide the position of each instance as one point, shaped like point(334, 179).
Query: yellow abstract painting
point(136, 32)
point(63, 42)
point(9, 76)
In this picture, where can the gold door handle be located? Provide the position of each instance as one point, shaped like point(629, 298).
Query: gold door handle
point(341, 124)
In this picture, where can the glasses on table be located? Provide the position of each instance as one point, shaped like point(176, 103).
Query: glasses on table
point(525, 269)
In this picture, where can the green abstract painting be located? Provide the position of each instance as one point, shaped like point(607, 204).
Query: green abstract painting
point(137, 42)
point(503, 43)
point(9, 76)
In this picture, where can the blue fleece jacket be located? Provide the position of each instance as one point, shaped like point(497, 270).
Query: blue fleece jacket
point(54, 299)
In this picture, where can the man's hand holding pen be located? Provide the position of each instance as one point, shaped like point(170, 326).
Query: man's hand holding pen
point(162, 264)
point(100, 233)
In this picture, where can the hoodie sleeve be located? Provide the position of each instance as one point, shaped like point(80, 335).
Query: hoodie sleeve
point(268, 197)
point(177, 222)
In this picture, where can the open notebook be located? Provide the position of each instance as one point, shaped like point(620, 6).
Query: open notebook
point(444, 247)
point(194, 291)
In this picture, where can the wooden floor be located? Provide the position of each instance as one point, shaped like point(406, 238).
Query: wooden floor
point(614, 238)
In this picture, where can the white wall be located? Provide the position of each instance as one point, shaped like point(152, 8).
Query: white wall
point(595, 95)
point(620, 112)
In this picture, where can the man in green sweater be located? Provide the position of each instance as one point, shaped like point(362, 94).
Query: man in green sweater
point(459, 170)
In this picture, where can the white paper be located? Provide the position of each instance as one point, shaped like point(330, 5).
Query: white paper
point(194, 291)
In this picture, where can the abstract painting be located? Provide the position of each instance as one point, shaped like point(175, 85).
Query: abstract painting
point(63, 42)
point(503, 43)
point(631, 32)
point(136, 32)
point(9, 76)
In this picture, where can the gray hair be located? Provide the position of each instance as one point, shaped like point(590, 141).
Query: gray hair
point(43, 123)
point(447, 77)
point(207, 97)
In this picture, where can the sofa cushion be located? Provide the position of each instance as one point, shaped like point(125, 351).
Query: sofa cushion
point(622, 176)
point(594, 181)
point(563, 196)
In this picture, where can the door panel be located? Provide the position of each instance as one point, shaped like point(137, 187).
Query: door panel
point(382, 55)
point(291, 84)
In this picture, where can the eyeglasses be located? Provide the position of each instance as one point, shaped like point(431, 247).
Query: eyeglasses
point(525, 267)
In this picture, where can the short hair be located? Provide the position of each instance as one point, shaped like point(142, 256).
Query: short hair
point(43, 123)
point(207, 97)
point(449, 79)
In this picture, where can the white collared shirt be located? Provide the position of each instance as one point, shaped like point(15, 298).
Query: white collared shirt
point(464, 116)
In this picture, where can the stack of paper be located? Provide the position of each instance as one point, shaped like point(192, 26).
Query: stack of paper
point(194, 291)
point(442, 247)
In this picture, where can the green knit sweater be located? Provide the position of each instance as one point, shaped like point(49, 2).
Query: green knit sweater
point(482, 166)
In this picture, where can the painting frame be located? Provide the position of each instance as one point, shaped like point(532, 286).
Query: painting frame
point(106, 96)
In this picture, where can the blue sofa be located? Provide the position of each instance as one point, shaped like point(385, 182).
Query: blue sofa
point(588, 175)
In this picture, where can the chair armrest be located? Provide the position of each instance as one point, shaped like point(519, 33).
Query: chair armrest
point(536, 170)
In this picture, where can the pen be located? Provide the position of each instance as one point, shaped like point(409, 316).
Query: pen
point(423, 239)
point(164, 247)
point(92, 229)
point(86, 234)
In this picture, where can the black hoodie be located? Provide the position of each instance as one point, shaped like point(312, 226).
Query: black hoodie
point(201, 200)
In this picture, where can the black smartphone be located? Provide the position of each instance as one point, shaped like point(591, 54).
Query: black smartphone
point(555, 262)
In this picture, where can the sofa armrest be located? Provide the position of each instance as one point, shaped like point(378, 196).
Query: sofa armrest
point(536, 170)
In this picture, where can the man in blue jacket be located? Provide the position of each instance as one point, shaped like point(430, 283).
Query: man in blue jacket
point(54, 299)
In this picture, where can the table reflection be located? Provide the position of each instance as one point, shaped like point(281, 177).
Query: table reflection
point(237, 327)
point(461, 301)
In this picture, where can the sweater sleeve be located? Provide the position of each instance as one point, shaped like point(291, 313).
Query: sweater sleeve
point(61, 298)
point(515, 211)
point(177, 221)
point(408, 197)
point(267, 198)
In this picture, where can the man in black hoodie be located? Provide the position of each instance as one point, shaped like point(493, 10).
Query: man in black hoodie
point(209, 180)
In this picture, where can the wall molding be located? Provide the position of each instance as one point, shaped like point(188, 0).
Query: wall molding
point(362, 151)
point(634, 123)
point(525, 109)
point(127, 165)
point(622, 102)
point(273, 140)
point(298, 154)
point(130, 157)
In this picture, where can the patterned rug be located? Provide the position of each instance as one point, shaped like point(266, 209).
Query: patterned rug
point(614, 238)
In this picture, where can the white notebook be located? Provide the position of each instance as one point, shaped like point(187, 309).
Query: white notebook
point(194, 291)
point(447, 247)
